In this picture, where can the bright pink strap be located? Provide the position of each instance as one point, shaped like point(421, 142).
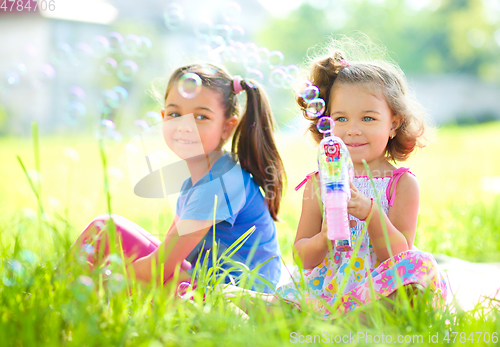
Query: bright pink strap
point(237, 84)
point(308, 176)
point(396, 175)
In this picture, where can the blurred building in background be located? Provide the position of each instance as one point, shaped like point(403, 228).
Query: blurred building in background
point(76, 61)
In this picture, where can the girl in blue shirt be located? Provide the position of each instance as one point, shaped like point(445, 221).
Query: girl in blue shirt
point(248, 182)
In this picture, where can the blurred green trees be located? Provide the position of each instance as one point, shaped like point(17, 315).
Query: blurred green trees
point(423, 36)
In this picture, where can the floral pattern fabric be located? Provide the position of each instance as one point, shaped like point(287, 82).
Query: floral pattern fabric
point(366, 270)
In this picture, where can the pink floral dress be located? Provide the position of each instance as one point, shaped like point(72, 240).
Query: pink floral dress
point(323, 282)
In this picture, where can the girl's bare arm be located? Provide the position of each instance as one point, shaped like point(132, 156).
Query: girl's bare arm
point(181, 239)
point(401, 223)
point(311, 243)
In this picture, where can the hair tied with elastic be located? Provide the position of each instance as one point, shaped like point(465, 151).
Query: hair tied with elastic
point(344, 63)
point(339, 62)
point(237, 88)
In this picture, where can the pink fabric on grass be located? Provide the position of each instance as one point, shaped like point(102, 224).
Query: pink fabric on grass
point(135, 241)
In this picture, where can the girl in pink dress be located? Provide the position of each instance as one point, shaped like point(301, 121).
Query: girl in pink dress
point(380, 123)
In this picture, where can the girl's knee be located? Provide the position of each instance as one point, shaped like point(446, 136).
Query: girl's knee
point(102, 219)
point(95, 225)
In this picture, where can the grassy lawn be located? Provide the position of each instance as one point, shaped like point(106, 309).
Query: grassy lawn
point(41, 304)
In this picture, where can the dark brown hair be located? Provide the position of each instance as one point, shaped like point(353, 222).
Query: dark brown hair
point(253, 140)
point(333, 68)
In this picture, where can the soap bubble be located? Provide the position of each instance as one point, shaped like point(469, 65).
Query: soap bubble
point(72, 154)
point(116, 282)
point(127, 70)
point(115, 41)
point(88, 248)
point(82, 288)
point(252, 47)
point(231, 11)
point(278, 77)
point(110, 99)
point(62, 54)
point(229, 54)
point(275, 58)
point(45, 74)
point(12, 78)
point(255, 74)
point(241, 51)
point(76, 93)
point(315, 108)
point(83, 53)
point(204, 29)
point(253, 60)
point(13, 273)
point(293, 72)
point(100, 46)
point(264, 55)
point(22, 69)
point(237, 33)
point(106, 126)
point(75, 112)
point(131, 45)
point(114, 262)
point(107, 130)
point(173, 16)
point(189, 85)
point(27, 256)
point(140, 126)
point(310, 93)
point(219, 45)
point(183, 288)
point(121, 92)
point(153, 118)
point(145, 47)
point(222, 30)
point(109, 66)
point(324, 125)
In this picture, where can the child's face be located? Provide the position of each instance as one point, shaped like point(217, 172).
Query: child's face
point(196, 126)
point(363, 120)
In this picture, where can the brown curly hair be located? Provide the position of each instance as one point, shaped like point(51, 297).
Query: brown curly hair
point(333, 68)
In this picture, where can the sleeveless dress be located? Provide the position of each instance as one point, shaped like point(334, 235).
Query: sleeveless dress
point(366, 270)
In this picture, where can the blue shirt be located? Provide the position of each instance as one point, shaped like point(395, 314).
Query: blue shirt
point(240, 206)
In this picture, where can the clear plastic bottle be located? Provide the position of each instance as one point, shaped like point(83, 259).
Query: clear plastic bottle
point(336, 172)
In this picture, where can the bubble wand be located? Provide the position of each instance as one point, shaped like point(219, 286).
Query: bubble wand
point(336, 171)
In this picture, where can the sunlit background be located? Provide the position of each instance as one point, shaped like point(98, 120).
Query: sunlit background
point(69, 64)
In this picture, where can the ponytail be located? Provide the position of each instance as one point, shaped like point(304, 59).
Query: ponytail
point(253, 141)
point(323, 73)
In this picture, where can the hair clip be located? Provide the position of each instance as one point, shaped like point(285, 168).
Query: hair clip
point(237, 88)
point(343, 62)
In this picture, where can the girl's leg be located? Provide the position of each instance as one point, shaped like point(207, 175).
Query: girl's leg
point(135, 241)
point(272, 301)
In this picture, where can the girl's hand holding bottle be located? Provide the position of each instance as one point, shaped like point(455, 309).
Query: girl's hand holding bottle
point(359, 206)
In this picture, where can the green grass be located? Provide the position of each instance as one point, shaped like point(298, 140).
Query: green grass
point(45, 302)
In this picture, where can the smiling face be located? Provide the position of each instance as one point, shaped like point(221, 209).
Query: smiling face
point(363, 120)
point(196, 126)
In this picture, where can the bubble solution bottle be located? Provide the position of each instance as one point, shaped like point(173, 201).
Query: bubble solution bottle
point(336, 172)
